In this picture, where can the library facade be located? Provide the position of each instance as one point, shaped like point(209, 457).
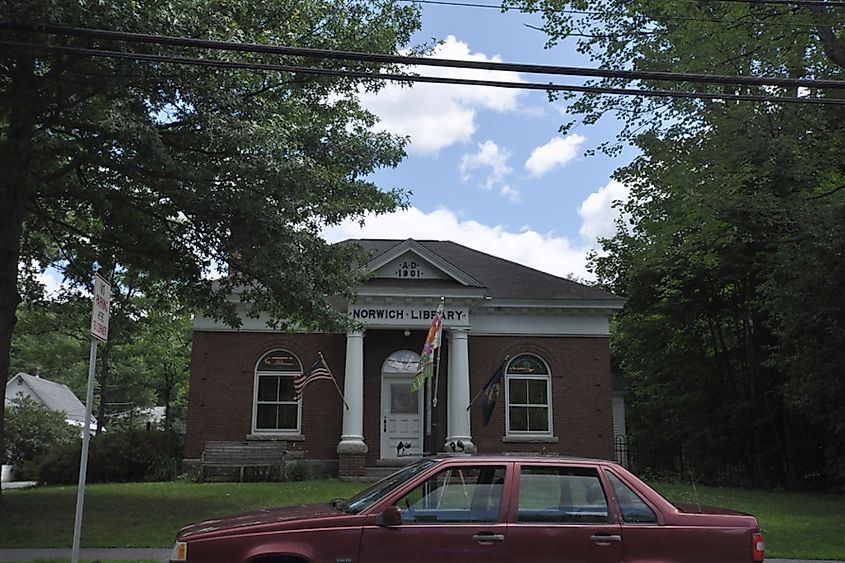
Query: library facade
point(547, 335)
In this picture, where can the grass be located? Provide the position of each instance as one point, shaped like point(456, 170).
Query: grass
point(142, 514)
point(796, 525)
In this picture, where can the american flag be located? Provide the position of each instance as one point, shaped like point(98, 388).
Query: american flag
point(318, 371)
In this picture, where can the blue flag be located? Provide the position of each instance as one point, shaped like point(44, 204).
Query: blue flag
point(489, 394)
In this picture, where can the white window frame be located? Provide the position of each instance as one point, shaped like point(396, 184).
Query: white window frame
point(273, 373)
point(547, 377)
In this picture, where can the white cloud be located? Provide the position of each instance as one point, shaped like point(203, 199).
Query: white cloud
point(52, 281)
point(435, 116)
point(557, 152)
point(510, 193)
point(547, 252)
point(489, 156)
point(597, 212)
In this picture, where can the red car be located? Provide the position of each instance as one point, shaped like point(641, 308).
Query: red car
point(490, 509)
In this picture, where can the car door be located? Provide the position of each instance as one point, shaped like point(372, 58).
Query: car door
point(453, 515)
point(561, 514)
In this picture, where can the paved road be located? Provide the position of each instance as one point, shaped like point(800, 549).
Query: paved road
point(89, 554)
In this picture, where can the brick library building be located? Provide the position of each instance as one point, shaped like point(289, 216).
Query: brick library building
point(545, 338)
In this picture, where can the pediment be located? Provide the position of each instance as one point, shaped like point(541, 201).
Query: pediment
point(409, 261)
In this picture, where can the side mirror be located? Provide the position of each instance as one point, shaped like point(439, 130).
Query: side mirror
point(390, 517)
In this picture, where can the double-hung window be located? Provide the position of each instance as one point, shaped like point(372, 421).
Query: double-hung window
point(276, 410)
point(528, 397)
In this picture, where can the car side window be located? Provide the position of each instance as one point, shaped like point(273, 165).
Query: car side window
point(561, 494)
point(456, 494)
point(633, 507)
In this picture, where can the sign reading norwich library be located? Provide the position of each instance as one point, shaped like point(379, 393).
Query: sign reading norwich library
point(395, 315)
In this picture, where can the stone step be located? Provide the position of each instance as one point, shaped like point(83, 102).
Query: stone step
point(376, 473)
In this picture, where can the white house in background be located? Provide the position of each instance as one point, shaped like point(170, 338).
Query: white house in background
point(54, 396)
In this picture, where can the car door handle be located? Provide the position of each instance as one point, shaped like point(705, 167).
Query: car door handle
point(605, 538)
point(487, 537)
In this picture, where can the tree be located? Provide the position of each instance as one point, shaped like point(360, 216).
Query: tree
point(33, 430)
point(727, 253)
point(184, 172)
point(144, 363)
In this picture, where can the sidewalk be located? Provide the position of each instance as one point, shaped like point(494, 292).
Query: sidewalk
point(86, 554)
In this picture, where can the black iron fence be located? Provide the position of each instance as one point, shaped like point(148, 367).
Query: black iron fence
point(741, 466)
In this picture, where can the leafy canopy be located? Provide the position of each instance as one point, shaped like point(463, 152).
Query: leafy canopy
point(729, 247)
point(183, 173)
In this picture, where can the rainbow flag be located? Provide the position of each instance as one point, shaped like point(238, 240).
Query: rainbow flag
point(425, 369)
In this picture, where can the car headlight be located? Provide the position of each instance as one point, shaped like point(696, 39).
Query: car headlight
point(179, 551)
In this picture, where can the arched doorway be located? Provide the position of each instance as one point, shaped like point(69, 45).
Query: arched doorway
point(401, 407)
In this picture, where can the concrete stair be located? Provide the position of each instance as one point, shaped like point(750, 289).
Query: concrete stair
point(385, 467)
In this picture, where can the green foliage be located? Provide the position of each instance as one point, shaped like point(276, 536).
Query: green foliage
point(32, 431)
point(148, 349)
point(730, 246)
point(131, 455)
point(298, 471)
point(211, 182)
point(179, 172)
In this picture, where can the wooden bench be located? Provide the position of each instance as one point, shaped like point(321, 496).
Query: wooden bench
point(242, 455)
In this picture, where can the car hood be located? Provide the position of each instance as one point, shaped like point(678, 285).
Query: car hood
point(290, 517)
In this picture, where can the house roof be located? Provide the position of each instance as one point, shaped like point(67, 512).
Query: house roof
point(502, 278)
point(54, 396)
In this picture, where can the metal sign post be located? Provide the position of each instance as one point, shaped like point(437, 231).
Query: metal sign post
point(99, 331)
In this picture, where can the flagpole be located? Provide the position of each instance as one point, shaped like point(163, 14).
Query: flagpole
point(477, 395)
point(433, 446)
point(336, 386)
point(437, 362)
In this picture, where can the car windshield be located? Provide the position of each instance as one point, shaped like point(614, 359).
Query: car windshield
point(379, 490)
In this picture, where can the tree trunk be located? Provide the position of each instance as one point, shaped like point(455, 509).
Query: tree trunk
point(15, 161)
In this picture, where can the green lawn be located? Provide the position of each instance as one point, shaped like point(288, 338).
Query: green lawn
point(796, 525)
point(142, 514)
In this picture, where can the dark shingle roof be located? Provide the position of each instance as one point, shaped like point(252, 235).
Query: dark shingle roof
point(502, 278)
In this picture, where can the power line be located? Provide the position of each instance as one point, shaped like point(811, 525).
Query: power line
point(355, 56)
point(216, 63)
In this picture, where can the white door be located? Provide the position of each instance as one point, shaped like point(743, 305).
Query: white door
point(401, 407)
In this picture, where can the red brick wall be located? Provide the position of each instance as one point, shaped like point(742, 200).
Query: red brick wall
point(581, 393)
point(222, 379)
point(222, 375)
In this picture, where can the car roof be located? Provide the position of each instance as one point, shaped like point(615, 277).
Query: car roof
point(522, 458)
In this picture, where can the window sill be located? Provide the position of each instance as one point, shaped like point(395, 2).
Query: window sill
point(530, 439)
point(270, 436)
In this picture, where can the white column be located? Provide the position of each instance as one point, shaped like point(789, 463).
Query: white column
point(458, 416)
point(352, 438)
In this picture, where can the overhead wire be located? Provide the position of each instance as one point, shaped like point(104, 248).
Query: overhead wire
point(360, 57)
point(217, 63)
point(462, 64)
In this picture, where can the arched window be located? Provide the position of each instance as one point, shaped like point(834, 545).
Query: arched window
point(276, 410)
point(529, 391)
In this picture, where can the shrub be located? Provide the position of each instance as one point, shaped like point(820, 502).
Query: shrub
point(298, 471)
point(32, 430)
point(130, 455)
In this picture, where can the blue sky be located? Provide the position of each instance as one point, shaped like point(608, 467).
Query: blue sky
point(470, 165)
point(487, 166)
